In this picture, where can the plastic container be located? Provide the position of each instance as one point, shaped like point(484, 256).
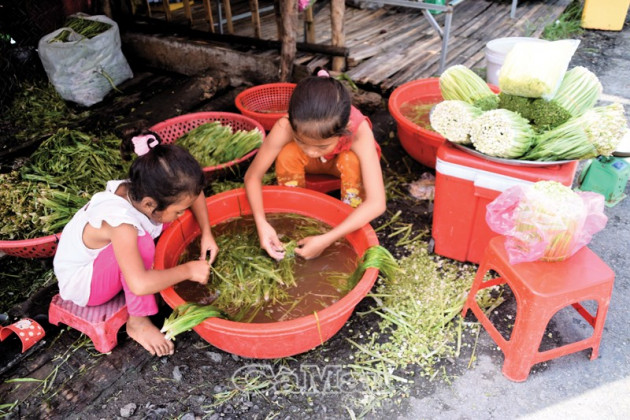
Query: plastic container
point(43, 247)
point(464, 185)
point(275, 339)
point(497, 50)
point(173, 128)
point(420, 143)
point(265, 103)
point(609, 15)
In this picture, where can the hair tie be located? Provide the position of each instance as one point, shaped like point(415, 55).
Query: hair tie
point(323, 73)
point(142, 144)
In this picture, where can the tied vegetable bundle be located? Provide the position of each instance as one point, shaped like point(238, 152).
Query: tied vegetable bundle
point(213, 143)
point(545, 221)
point(187, 316)
point(579, 91)
point(565, 127)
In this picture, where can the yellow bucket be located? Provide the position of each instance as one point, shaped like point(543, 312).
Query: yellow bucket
point(608, 15)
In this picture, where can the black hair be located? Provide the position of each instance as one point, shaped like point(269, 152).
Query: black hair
point(164, 173)
point(320, 108)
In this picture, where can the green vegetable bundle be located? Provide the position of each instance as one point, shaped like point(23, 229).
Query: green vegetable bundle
point(568, 141)
point(375, 257)
point(77, 160)
point(579, 91)
point(460, 83)
point(453, 119)
point(187, 316)
point(604, 126)
point(597, 132)
point(502, 133)
point(213, 143)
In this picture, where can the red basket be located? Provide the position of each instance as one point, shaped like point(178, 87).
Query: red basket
point(43, 247)
point(265, 103)
point(173, 128)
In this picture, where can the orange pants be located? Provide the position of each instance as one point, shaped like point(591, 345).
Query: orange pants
point(292, 165)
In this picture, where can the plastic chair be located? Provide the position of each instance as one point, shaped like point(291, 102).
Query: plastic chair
point(322, 183)
point(542, 289)
point(100, 323)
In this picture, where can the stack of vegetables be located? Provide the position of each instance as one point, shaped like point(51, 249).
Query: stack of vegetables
point(213, 143)
point(563, 125)
point(60, 177)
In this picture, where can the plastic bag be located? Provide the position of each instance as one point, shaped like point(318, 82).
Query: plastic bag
point(84, 70)
point(545, 221)
point(535, 70)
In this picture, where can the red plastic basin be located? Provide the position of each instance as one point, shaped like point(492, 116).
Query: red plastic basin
point(274, 339)
point(420, 143)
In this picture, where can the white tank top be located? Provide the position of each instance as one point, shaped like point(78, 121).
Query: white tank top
point(73, 262)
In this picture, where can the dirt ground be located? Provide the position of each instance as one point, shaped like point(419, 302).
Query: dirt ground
point(75, 381)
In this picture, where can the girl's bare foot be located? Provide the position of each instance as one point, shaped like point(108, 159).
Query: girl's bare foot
point(142, 330)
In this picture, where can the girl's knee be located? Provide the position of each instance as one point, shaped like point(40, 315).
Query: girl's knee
point(289, 156)
point(290, 165)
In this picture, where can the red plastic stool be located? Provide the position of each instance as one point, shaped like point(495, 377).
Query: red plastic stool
point(322, 182)
point(100, 323)
point(542, 289)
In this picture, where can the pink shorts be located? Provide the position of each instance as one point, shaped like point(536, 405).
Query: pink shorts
point(108, 280)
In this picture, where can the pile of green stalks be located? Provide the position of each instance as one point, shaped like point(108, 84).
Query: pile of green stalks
point(87, 28)
point(213, 143)
point(59, 179)
point(419, 324)
point(37, 112)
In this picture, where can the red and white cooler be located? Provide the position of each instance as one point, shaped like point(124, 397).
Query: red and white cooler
point(464, 185)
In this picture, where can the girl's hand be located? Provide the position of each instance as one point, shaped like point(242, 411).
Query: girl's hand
point(208, 244)
point(312, 246)
point(199, 271)
point(269, 241)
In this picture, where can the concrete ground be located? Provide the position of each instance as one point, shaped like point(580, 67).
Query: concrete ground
point(571, 386)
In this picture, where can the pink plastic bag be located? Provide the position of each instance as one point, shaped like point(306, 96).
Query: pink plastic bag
point(545, 221)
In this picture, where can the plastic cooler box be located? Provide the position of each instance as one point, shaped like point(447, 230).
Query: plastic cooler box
point(464, 185)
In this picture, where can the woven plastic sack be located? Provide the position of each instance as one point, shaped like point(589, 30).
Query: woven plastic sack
point(535, 70)
point(84, 70)
point(542, 226)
